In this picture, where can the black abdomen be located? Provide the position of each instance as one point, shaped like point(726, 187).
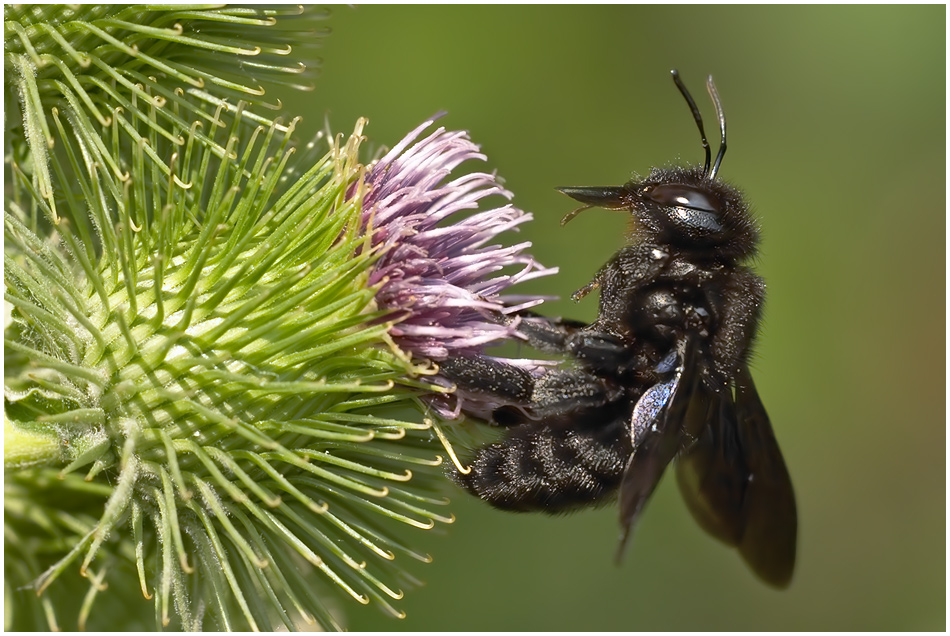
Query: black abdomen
point(554, 467)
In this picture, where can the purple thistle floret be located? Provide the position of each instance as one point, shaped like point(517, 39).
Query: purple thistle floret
point(436, 267)
point(439, 271)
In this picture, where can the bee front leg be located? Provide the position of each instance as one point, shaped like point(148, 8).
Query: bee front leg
point(634, 265)
point(600, 350)
point(586, 289)
point(627, 271)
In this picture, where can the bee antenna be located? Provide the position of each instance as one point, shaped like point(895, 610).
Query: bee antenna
point(721, 115)
point(697, 117)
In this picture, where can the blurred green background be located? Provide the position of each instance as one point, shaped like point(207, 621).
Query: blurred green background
point(837, 136)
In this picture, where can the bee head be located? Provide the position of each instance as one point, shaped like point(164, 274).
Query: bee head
point(685, 208)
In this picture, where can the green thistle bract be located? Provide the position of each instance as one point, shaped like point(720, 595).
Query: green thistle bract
point(149, 72)
point(221, 384)
point(203, 406)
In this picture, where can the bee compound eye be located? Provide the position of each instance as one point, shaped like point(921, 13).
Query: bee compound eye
point(681, 196)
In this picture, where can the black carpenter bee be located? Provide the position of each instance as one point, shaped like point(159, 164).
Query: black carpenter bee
point(661, 374)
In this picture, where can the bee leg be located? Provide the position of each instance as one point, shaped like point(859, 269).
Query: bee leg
point(570, 390)
point(538, 396)
point(586, 289)
point(601, 351)
point(548, 334)
point(598, 349)
point(631, 267)
point(490, 377)
point(622, 277)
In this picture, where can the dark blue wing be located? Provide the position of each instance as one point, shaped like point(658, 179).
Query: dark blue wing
point(735, 482)
point(657, 427)
point(771, 519)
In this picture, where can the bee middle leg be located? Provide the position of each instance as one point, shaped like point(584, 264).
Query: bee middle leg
point(536, 396)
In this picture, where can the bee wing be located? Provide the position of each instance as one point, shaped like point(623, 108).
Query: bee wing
point(711, 473)
point(656, 426)
point(736, 485)
point(769, 541)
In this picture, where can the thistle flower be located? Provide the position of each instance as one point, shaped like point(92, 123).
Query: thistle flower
point(209, 404)
point(437, 272)
point(436, 267)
